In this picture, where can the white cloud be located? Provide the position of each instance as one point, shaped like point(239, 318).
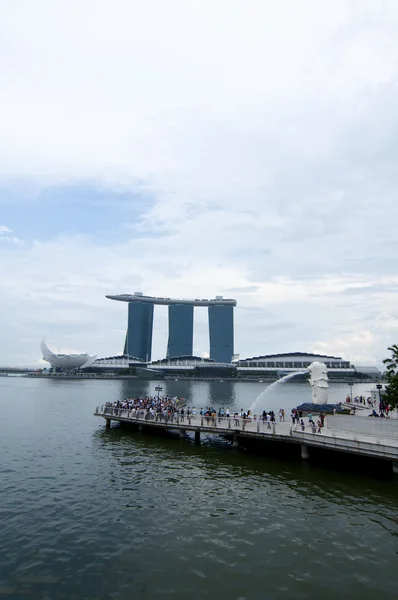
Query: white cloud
point(358, 348)
point(264, 132)
point(10, 239)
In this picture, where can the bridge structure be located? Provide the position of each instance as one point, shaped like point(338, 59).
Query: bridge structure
point(138, 342)
point(356, 436)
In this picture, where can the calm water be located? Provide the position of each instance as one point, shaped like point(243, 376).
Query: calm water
point(94, 513)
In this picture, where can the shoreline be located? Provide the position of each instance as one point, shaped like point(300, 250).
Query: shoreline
point(100, 377)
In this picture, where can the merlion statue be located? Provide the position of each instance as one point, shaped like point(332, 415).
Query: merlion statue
point(319, 382)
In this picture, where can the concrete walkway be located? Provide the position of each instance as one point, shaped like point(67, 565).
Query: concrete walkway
point(363, 444)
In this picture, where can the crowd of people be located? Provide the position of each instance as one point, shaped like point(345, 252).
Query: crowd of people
point(170, 409)
point(149, 407)
point(212, 415)
point(361, 400)
point(267, 417)
point(372, 403)
point(298, 419)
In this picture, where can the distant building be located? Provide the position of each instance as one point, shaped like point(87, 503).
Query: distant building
point(268, 367)
point(181, 317)
point(115, 363)
point(65, 361)
point(370, 371)
point(278, 365)
point(293, 360)
point(180, 342)
point(139, 331)
point(221, 333)
point(191, 366)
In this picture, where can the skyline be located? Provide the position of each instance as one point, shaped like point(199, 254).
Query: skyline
point(139, 334)
point(198, 149)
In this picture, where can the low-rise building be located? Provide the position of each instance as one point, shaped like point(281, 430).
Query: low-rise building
point(274, 366)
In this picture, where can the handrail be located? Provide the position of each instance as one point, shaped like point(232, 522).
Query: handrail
point(232, 424)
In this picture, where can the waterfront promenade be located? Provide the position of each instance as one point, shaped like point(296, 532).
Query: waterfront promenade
point(381, 443)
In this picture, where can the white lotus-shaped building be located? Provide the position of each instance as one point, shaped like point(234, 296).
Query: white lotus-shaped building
point(60, 360)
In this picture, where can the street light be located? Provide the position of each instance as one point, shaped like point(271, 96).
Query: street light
point(350, 383)
point(381, 405)
point(158, 389)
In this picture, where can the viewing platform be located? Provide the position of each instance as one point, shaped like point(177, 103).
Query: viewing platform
point(139, 297)
point(367, 437)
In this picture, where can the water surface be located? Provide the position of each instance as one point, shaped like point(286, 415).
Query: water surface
point(89, 513)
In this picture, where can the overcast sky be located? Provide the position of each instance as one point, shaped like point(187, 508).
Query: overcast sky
point(245, 148)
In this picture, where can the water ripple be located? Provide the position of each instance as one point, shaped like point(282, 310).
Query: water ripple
point(89, 513)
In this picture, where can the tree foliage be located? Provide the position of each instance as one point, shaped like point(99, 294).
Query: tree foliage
point(391, 395)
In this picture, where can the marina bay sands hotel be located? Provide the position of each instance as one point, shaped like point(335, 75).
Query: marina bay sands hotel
point(180, 343)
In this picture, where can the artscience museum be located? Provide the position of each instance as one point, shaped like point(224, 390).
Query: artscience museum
point(65, 361)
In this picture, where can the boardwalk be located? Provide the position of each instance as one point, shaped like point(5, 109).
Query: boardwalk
point(362, 444)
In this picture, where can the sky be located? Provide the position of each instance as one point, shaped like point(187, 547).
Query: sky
point(194, 148)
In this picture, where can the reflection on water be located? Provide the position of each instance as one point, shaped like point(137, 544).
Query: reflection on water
point(215, 454)
point(94, 513)
point(222, 394)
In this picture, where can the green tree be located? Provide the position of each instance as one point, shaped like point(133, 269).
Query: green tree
point(391, 395)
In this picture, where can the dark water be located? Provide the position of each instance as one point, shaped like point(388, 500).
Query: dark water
point(94, 513)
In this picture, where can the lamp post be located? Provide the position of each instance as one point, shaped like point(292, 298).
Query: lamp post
point(379, 387)
point(350, 383)
point(158, 389)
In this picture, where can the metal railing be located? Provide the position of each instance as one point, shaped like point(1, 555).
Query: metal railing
point(231, 425)
point(194, 420)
